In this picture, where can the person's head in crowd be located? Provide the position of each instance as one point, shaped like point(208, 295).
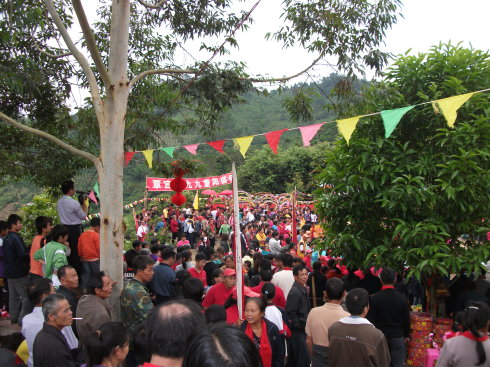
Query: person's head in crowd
point(297, 262)
point(59, 234)
point(38, 290)
point(107, 346)
point(170, 328)
point(43, 225)
point(247, 265)
point(268, 292)
point(287, 260)
point(476, 318)
point(225, 237)
point(144, 245)
point(387, 276)
point(300, 274)
point(200, 260)
point(257, 258)
point(229, 278)
point(357, 302)
point(186, 257)
point(209, 252)
point(68, 188)
point(56, 311)
point(95, 224)
point(229, 262)
point(143, 268)
point(222, 345)
point(137, 245)
point(266, 275)
point(155, 249)
point(4, 228)
point(254, 310)
point(68, 277)
point(193, 289)
point(335, 289)
point(458, 322)
point(220, 252)
point(317, 266)
point(14, 223)
point(168, 256)
point(217, 276)
point(154, 241)
point(180, 277)
point(214, 314)
point(99, 285)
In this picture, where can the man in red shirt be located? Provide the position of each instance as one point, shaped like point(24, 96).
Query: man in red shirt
point(89, 250)
point(266, 277)
point(219, 293)
point(43, 227)
point(197, 271)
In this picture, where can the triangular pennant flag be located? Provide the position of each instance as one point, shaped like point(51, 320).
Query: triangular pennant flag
point(149, 157)
point(450, 106)
point(96, 189)
point(243, 143)
point(309, 132)
point(391, 118)
point(196, 201)
point(218, 145)
point(347, 126)
point(192, 148)
point(128, 156)
point(92, 197)
point(169, 151)
point(273, 139)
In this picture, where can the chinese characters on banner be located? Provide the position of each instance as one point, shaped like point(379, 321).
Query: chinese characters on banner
point(163, 184)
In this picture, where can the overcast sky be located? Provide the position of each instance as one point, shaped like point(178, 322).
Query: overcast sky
point(424, 23)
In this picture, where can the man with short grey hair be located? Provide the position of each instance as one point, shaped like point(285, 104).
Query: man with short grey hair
point(50, 346)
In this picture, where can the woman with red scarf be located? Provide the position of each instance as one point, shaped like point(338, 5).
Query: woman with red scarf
point(263, 333)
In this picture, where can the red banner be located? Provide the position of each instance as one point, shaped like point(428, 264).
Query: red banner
point(163, 184)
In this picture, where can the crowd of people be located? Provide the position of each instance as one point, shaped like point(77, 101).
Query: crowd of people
point(179, 304)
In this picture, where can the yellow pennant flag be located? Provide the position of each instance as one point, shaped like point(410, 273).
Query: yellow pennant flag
point(449, 106)
point(243, 143)
point(149, 157)
point(196, 201)
point(347, 127)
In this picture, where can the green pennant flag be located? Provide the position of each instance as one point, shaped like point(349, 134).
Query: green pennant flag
point(391, 118)
point(96, 189)
point(169, 151)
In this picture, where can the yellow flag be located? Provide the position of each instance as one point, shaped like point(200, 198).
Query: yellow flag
point(149, 156)
point(449, 106)
point(196, 201)
point(243, 143)
point(347, 127)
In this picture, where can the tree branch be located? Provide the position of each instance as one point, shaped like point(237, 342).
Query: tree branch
point(10, 121)
point(91, 45)
point(169, 72)
point(92, 81)
point(153, 6)
point(37, 47)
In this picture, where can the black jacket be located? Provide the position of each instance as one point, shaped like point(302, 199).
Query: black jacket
point(297, 306)
point(51, 349)
point(276, 341)
point(389, 311)
point(16, 256)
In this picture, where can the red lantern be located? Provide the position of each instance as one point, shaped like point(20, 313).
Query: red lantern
point(178, 184)
point(178, 199)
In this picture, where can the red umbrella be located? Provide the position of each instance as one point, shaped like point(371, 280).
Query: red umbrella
point(208, 192)
point(226, 192)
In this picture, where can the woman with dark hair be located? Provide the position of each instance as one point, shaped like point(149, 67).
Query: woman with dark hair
point(264, 334)
point(272, 312)
point(224, 346)
point(186, 257)
point(108, 346)
point(472, 348)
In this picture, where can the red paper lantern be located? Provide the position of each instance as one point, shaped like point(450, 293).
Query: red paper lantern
point(178, 199)
point(178, 184)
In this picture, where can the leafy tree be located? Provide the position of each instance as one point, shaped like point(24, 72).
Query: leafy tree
point(42, 204)
point(406, 200)
point(136, 90)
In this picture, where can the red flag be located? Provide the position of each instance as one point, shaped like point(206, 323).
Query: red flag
point(92, 197)
point(273, 138)
point(192, 148)
point(218, 145)
point(309, 132)
point(128, 156)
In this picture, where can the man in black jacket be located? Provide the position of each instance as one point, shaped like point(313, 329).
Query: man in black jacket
point(390, 312)
point(69, 283)
point(297, 309)
point(16, 256)
point(50, 346)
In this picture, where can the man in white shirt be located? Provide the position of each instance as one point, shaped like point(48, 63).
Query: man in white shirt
point(284, 279)
point(274, 244)
point(33, 322)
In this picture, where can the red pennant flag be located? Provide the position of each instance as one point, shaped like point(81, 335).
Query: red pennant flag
point(309, 132)
point(218, 145)
point(273, 138)
point(192, 148)
point(92, 197)
point(128, 156)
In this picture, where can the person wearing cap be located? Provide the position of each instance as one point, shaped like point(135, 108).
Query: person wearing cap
point(231, 305)
point(219, 293)
point(303, 244)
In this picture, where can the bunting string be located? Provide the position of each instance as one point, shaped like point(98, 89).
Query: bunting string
point(346, 126)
